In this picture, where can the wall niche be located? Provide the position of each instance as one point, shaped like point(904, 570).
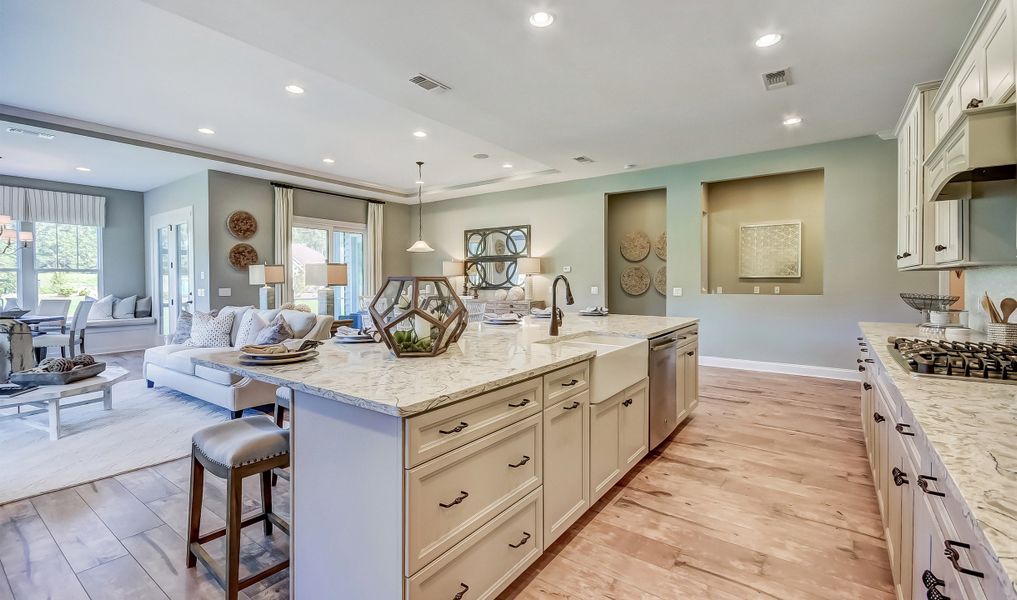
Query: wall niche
point(764, 235)
point(637, 252)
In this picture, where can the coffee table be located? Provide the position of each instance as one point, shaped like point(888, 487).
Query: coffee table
point(54, 398)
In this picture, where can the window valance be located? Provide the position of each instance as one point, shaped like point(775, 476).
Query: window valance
point(30, 204)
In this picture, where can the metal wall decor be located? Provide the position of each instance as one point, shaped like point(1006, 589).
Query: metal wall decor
point(635, 280)
point(491, 255)
point(770, 250)
point(242, 256)
point(635, 246)
point(241, 224)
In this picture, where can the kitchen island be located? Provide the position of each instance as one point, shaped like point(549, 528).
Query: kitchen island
point(435, 477)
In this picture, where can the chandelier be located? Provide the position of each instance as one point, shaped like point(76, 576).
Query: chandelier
point(11, 240)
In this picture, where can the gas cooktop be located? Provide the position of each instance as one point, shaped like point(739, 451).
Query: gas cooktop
point(984, 361)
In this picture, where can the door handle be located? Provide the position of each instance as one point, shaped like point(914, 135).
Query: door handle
point(627, 402)
point(878, 417)
point(950, 550)
point(923, 482)
point(866, 386)
point(462, 592)
point(900, 427)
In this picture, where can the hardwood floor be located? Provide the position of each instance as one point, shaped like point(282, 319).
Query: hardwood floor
point(764, 494)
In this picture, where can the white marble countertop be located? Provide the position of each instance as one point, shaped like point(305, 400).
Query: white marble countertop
point(485, 357)
point(972, 427)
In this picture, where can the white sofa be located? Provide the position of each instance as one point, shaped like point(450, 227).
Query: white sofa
point(171, 365)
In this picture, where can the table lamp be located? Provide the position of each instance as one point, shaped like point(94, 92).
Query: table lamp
point(267, 276)
point(528, 266)
point(454, 268)
point(327, 276)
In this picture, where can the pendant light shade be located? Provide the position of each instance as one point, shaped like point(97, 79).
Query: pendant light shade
point(420, 245)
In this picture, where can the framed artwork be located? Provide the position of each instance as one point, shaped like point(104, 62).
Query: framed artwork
point(770, 250)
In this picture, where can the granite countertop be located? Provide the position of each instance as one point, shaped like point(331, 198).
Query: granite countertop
point(972, 426)
point(486, 357)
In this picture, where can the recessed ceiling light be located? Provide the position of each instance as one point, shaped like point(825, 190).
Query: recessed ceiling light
point(630, 166)
point(206, 130)
point(791, 121)
point(83, 169)
point(419, 182)
point(506, 165)
point(541, 19)
point(294, 89)
point(328, 161)
point(481, 156)
point(770, 39)
point(420, 134)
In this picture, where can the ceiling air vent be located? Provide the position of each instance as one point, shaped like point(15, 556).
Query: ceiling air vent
point(39, 134)
point(777, 79)
point(583, 159)
point(429, 83)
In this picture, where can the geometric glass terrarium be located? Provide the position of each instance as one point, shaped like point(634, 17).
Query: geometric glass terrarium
point(418, 316)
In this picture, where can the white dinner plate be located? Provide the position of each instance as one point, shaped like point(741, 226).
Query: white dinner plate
point(281, 360)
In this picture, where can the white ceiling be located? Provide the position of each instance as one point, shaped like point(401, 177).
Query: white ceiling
point(653, 82)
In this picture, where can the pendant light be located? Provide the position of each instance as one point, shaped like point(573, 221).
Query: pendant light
point(420, 245)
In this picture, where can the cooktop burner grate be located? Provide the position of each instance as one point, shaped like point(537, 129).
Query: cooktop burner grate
point(956, 360)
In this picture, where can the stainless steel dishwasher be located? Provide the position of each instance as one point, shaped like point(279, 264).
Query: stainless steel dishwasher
point(663, 372)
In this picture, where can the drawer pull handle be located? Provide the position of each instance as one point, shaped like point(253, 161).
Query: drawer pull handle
point(461, 426)
point(526, 538)
point(462, 592)
point(935, 594)
point(463, 495)
point(525, 460)
point(627, 402)
point(954, 557)
point(861, 368)
point(900, 427)
point(571, 383)
point(690, 353)
point(867, 386)
point(975, 103)
point(899, 477)
point(878, 417)
point(940, 247)
point(522, 402)
point(923, 482)
point(572, 406)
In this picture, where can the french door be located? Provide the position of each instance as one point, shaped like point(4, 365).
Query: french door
point(172, 285)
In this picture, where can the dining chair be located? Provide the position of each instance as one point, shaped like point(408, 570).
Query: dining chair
point(52, 307)
point(71, 339)
point(11, 304)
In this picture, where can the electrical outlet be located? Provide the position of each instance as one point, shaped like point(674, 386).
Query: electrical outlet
point(755, 289)
point(676, 292)
point(720, 290)
point(776, 289)
point(566, 269)
point(225, 292)
point(201, 292)
point(594, 290)
point(203, 276)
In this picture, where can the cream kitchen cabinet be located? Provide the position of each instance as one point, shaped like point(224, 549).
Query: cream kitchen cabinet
point(619, 437)
point(913, 144)
point(689, 356)
point(566, 463)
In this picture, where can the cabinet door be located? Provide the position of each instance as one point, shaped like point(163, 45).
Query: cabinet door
point(566, 448)
point(691, 360)
point(605, 446)
point(970, 84)
point(881, 428)
point(949, 232)
point(899, 536)
point(635, 427)
point(998, 55)
point(930, 567)
point(904, 193)
point(681, 383)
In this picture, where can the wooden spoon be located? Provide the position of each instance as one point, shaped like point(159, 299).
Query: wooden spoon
point(1007, 306)
point(990, 309)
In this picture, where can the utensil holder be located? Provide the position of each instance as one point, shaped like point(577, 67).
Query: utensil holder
point(1001, 333)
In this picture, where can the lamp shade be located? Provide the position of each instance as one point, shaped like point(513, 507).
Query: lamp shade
point(327, 274)
point(266, 274)
point(528, 266)
point(420, 246)
point(452, 268)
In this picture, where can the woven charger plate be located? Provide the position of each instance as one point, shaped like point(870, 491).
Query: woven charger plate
point(660, 280)
point(241, 224)
point(242, 256)
point(635, 245)
point(635, 280)
point(660, 248)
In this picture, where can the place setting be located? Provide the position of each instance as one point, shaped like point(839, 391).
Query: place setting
point(502, 319)
point(594, 311)
point(352, 335)
point(292, 351)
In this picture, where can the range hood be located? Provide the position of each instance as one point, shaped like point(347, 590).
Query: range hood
point(980, 146)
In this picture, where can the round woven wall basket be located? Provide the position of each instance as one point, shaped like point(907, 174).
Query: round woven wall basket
point(242, 224)
point(242, 256)
point(660, 280)
point(660, 246)
point(635, 246)
point(635, 280)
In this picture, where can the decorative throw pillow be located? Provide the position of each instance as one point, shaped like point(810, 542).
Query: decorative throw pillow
point(183, 329)
point(238, 315)
point(211, 331)
point(102, 310)
point(124, 308)
point(278, 331)
point(300, 322)
point(251, 325)
point(143, 307)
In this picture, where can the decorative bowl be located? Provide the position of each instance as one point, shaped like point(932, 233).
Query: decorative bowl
point(418, 316)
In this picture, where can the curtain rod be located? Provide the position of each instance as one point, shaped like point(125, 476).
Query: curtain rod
point(307, 189)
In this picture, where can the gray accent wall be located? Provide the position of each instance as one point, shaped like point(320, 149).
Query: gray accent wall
point(861, 281)
point(123, 268)
point(228, 193)
point(636, 211)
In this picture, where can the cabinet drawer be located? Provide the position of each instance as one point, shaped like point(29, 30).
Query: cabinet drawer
point(565, 382)
point(434, 433)
point(452, 496)
point(484, 564)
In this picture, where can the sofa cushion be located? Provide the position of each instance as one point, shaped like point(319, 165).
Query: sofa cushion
point(102, 309)
point(180, 361)
point(211, 331)
point(143, 307)
point(160, 354)
point(123, 308)
point(253, 323)
point(216, 376)
point(299, 321)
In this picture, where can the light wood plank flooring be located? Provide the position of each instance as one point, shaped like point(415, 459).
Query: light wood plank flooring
point(765, 493)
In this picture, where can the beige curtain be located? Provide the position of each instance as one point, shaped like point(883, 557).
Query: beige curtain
point(374, 276)
point(283, 239)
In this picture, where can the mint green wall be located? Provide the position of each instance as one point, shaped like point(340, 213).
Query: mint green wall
point(861, 282)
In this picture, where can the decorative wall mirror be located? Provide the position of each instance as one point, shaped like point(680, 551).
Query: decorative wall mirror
point(491, 256)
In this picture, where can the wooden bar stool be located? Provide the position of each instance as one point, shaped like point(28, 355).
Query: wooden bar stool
point(232, 451)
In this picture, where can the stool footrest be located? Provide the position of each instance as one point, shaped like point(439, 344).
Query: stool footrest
point(218, 533)
point(279, 522)
point(248, 581)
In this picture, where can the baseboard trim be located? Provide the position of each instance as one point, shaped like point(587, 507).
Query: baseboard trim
point(775, 367)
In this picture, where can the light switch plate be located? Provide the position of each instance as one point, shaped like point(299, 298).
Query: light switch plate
point(720, 290)
point(225, 292)
point(776, 289)
point(203, 276)
point(201, 292)
point(755, 289)
point(676, 292)
point(566, 269)
point(594, 290)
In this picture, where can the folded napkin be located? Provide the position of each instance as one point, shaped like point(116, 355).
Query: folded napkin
point(282, 348)
point(600, 310)
point(541, 311)
point(504, 317)
point(364, 331)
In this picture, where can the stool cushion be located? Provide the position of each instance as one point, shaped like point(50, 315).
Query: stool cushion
point(282, 397)
point(242, 441)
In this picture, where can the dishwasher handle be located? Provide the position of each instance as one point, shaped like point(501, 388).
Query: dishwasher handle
point(664, 346)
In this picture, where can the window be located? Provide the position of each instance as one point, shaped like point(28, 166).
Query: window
point(316, 241)
point(9, 273)
point(67, 261)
